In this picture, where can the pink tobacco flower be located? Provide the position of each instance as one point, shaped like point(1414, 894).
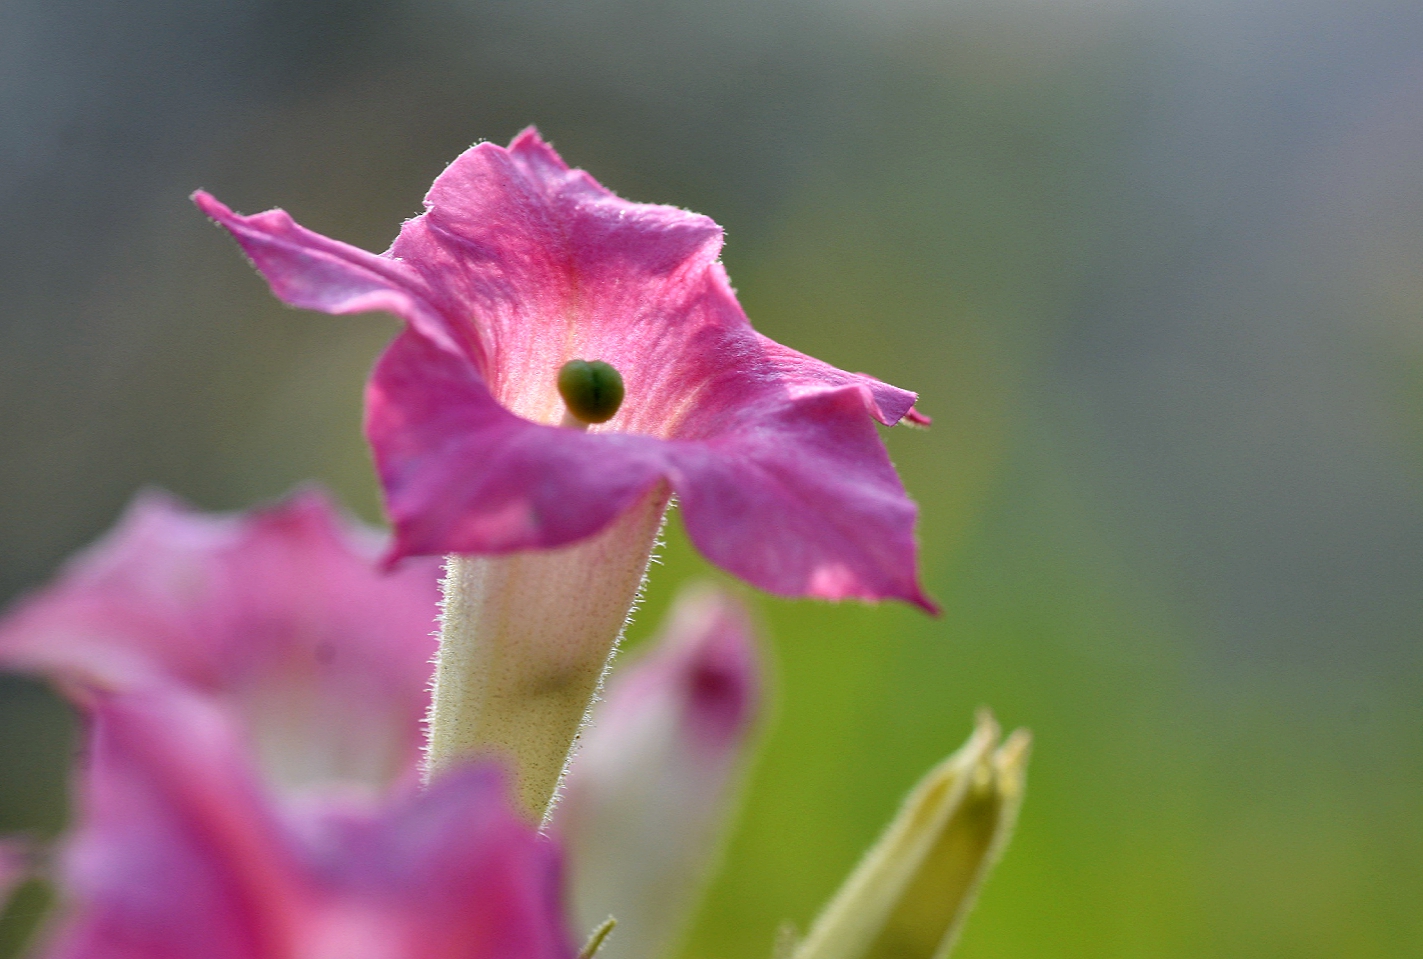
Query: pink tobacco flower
point(280, 614)
point(519, 266)
point(179, 854)
point(650, 787)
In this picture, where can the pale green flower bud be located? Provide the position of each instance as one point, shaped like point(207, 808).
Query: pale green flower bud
point(908, 897)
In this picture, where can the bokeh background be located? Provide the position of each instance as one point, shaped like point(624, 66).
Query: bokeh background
point(1155, 267)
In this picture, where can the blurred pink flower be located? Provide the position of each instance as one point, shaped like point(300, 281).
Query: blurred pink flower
point(520, 265)
point(651, 785)
point(280, 614)
point(180, 854)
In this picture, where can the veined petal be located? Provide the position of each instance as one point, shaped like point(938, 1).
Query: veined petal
point(774, 503)
point(462, 474)
point(546, 266)
point(770, 501)
point(649, 790)
point(520, 265)
point(309, 270)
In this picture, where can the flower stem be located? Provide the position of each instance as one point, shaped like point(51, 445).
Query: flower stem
point(524, 641)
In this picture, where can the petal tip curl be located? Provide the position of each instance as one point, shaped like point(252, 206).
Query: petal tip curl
point(917, 419)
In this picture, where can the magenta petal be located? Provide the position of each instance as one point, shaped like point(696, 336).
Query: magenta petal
point(309, 270)
point(142, 601)
point(801, 373)
point(180, 855)
point(805, 504)
point(800, 501)
point(520, 264)
point(280, 612)
point(336, 653)
point(176, 856)
point(465, 876)
point(463, 474)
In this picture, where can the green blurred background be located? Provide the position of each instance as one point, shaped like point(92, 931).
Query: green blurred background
point(1154, 268)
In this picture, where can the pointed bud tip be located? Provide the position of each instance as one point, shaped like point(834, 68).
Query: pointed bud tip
point(908, 897)
point(1011, 762)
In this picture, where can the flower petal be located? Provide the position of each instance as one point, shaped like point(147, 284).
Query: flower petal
point(309, 270)
point(544, 266)
point(456, 870)
point(519, 265)
point(281, 612)
point(179, 854)
point(804, 503)
point(337, 653)
point(176, 856)
point(800, 500)
point(464, 475)
point(142, 601)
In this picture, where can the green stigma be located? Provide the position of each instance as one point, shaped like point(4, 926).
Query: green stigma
point(591, 389)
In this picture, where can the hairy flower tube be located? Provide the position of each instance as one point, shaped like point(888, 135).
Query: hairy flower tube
point(280, 614)
point(908, 897)
point(651, 786)
point(180, 853)
point(519, 267)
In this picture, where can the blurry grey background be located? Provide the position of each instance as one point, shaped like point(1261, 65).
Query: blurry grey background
point(1156, 269)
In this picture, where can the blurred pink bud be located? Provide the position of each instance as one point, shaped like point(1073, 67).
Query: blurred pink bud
point(650, 787)
point(180, 854)
point(280, 614)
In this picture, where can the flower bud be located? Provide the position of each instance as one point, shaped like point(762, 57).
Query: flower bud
point(908, 897)
point(648, 792)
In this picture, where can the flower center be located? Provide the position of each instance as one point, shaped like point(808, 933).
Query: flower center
point(591, 389)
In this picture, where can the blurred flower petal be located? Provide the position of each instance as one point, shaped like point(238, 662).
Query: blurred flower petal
point(281, 612)
point(648, 792)
point(179, 854)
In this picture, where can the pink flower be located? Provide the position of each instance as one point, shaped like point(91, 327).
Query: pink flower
point(280, 614)
point(520, 265)
point(181, 855)
point(650, 787)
